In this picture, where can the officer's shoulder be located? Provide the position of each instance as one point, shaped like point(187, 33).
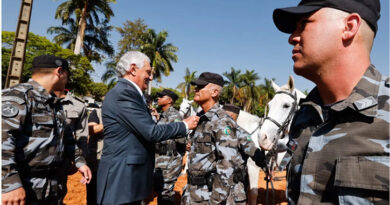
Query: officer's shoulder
point(16, 93)
point(78, 98)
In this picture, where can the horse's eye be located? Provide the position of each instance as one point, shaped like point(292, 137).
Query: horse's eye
point(286, 105)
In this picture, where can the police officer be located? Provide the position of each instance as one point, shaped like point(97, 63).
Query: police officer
point(169, 153)
point(76, 130)
point(33, 136)
point(214, 149)
point(341, 132)
point(246, 147)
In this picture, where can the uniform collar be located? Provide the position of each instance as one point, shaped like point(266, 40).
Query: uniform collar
point(170, 109)
point(43, 96)
point(363, 98)
point(209, 114)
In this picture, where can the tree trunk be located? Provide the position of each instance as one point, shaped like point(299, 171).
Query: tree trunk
point(81, 31)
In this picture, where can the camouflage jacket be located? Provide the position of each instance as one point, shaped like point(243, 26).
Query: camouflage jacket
point(76, 126)
point(168, 116)
point(246, 146)
point(214, 148)
point(32, 139)
point(344, 158)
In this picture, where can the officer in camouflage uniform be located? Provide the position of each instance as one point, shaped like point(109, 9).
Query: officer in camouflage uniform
point(246, 147)
point(214, 158)
point(33, 140)
point(76, 129)
point(341, 132)
point(169, 153)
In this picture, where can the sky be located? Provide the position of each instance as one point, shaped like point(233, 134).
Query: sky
point(211, 35)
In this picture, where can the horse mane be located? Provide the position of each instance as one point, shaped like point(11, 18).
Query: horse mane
point(248, 121)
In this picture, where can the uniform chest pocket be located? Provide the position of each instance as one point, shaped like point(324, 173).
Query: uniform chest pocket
point(44, 122)
point(72, 114)
point(205, 143)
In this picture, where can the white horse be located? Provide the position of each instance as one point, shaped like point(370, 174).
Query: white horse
point(282, 109)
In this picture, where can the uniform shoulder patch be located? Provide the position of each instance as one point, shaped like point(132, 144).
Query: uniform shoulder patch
point(9, 110)
point(227, 130)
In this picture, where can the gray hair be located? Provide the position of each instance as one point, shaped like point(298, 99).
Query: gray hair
point(130, 57)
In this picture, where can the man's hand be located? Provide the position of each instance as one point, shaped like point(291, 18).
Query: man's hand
point(191, 122)
point(16, 196)
point(87, 175)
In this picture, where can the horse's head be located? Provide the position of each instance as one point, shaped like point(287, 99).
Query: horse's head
point(186, 108)
point(280, 113)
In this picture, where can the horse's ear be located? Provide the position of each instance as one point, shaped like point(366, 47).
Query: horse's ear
point(275, 86)
point(291, 83)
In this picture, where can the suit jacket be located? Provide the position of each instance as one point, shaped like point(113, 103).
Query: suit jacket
point(126, 167)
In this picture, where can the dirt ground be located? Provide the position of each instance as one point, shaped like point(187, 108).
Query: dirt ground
point(77, 192)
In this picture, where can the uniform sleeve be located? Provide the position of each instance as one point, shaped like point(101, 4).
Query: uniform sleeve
point(226, 147)
point(14, 109)
point(175, 117)
point(247, 146)
point(81, 132)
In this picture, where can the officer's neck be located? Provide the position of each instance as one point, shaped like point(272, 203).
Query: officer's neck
point(207, 105)
point(60, 93)
point(46, 81)
point(165, 107)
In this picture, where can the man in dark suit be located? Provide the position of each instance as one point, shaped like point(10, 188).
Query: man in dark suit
point(125, 172)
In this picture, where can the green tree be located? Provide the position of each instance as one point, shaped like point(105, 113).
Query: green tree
point(234, 83)
point(96, 41)
point(110, 76)
point(39, 45)
point(249, 93)
point(133, 35)
point(87, 12)
point(185, 87)
point(98, 90)
point(161, 54)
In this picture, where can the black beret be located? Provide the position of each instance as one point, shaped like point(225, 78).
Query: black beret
point(168, 93)
point(207, 77)
point(231, 108)
point(285, 18)
point(49, 61)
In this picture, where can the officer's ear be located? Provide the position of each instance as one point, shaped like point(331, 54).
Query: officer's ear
point(351, 27)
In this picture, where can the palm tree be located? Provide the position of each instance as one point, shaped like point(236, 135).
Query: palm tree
point(234, 83)
point(87, 13)
point(95, 43)
point(110, 77)
point(249, 93)
point(185, 86)
point(161, 54)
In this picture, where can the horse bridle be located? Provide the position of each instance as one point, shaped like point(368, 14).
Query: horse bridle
point(282, 127)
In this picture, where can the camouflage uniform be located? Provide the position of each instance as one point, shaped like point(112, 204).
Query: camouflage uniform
point(76, 129)
point(213, 160)
point(342, 154)
point(169, 157)
point(32, 142)
point(76, 125)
